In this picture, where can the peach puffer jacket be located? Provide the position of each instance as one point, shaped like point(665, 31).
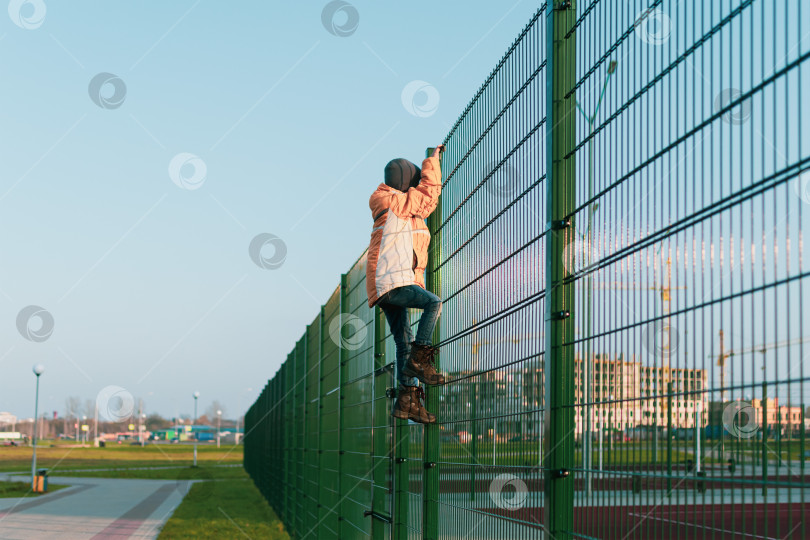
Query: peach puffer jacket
point(397, 254)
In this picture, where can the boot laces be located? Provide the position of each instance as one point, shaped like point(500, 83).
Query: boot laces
point(430, 353)
point(420, 393)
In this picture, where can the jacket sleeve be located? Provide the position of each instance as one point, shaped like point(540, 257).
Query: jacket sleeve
point(420, 201)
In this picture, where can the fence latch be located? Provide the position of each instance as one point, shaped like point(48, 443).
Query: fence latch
point(377, 515)
point(560, 315)
point(559, 224)
point(560, 473)
point(400, 460)
point(430, 465)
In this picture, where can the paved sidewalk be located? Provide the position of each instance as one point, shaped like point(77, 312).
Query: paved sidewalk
point(92, 508)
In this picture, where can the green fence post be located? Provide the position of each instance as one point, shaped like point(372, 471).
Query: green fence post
point(559, 325)
point(267, 439)
point(285, 434)
point(278, 440)
point(765, 438)
point(291, 453)
point(290, 401)
point(300, 424)
point(275, 430)
point(297, 420)
point(381, 451)
point(304, 452)
point(402, 445)
point(318, 532)
point(430, 477)
point(316, 473)
point(281, 453)
point(669, 438)
point(292, 496)
point(342, 378)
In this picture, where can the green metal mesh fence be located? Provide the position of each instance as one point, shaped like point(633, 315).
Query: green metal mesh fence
point(619, 249)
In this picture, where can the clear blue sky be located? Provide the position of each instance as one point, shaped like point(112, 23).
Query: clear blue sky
point(151, 286)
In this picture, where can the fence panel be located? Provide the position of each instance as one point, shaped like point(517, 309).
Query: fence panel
point(490, 265)
point(688, 269)
point(619, 249)
point(299, 437)
point(328, 524)
point(311, 453)
point(290, 453)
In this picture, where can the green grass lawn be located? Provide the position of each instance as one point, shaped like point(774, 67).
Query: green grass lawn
point(124, 459)
point(23, 489)
point(224, 509)
point(225, 505)
point(181, 472)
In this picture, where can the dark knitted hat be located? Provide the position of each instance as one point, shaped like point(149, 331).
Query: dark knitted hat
point(402, 174)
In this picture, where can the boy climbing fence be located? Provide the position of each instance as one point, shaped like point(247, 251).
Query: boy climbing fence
point(395, 278)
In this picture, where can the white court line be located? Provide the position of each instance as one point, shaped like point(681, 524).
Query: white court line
point(749, 535)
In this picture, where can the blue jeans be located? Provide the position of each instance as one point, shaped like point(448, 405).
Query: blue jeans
point(395, 304)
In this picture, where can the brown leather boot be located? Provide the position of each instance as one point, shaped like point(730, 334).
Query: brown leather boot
point(409, 405)
point(421, 365)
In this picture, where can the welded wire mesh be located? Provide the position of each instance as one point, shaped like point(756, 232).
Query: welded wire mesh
point(329, 410)
point(676, 387)
point(689, 273)
point(489, 248)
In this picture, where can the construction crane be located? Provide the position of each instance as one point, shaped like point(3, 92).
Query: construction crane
point(665, 290)
point(666, 303)
point(762, 349)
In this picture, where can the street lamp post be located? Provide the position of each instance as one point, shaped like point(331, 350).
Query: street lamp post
point(38, 369)
point(196, 395)
point(587, 365)
point(219, 423)
point(84, 425)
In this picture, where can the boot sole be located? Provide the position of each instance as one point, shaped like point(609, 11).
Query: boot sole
point(406, 416)
point(411, 373)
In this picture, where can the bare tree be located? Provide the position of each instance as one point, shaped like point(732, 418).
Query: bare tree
point(73, 409)
point(155, 422)
point(211, 411)
point(73, 406)
point(89, 409)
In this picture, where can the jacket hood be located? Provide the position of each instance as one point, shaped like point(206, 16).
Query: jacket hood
point(401, 174)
